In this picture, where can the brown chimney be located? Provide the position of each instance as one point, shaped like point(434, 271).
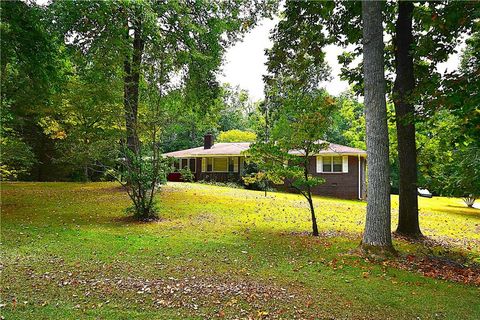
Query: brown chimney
point(207, 141)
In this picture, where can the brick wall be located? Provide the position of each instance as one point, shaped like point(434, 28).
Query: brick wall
point(338, 184)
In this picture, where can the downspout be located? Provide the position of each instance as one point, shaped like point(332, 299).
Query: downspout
point(359, 179)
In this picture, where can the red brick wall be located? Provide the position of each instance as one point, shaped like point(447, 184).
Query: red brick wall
point(338, 184)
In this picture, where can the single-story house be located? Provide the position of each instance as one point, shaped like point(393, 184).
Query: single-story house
point(342, 167)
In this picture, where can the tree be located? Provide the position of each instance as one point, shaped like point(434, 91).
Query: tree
point(377, 234)
point(450, 140)
point(437, 28)
point(236, 136)
point(295, 137)
point(32, 67)
point(149, 43)
point(348, 122)
point(404, 85)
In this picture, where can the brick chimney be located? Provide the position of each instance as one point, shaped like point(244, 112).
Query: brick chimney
point(207, 141)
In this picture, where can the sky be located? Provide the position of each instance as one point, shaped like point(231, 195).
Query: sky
point(244, 63)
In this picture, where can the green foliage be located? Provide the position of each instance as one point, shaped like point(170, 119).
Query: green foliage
point(308, 27)
point(187, 175)
point(285, 158)
point(253, 178)
point(449, 159)
point(16, 158)
point(142, 175)
point(348, 122)
point(235, 135)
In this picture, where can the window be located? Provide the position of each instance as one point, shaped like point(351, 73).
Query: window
point(193, 165)
point(327, 164)
point(232, 164)
point(209, 164)
point(183, 163)
point(220, 164)
point(332, 164)
point(337, 164)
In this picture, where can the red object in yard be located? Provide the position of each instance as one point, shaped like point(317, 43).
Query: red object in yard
point(174, 176)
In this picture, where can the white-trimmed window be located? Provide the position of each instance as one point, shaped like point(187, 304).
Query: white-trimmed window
point(332, 164)
point(183, 163)
point(220, 164)
point(190, 163)
point(193, 165)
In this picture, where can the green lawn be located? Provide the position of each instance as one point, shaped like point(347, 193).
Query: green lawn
point(69, 252)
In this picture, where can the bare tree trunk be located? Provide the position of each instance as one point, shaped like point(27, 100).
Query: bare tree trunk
point(377, 235)
point(408, 223)
point(132, 68)
point(314, 219)
point(309, 197)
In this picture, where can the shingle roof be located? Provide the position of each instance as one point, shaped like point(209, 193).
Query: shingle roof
point(335, 148)
point(236, 148)
point(222, 148)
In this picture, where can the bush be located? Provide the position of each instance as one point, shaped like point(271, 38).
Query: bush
point(187, 175)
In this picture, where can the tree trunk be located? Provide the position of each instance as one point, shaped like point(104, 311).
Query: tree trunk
point(85, 172)
point(309, 197)
point(377, 235)
point(132, 68)
point(408, 224)
point(314, 219)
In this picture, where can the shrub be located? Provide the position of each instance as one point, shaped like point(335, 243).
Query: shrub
point(187, 175)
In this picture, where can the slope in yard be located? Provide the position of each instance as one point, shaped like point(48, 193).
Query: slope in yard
point(70, 252)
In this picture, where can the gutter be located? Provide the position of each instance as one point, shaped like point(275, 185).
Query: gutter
point(359, 179)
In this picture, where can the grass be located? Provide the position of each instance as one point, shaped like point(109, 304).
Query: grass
point(69, 252)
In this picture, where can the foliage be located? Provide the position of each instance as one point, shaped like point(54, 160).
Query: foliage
point(449, 159)
point(348, 122)
point(254, 178)
point(187, 175)
point(163, 58)
point(226, 240)
point(235, 135)
point(308, 27)
point(16, 158)
point(141, 175)
point(285, 158)
point(32, 70)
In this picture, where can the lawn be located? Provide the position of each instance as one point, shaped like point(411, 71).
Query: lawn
point(69, 252)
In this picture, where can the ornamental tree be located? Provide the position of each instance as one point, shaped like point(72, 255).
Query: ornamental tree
point(285, 157)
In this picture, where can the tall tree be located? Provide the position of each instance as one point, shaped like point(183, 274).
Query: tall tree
point(437, 28)
point(164, 40)
point(408, 223)
point(377, 235)
point(31, 72)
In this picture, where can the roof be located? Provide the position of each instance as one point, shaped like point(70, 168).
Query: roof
point(222, 148)
point(236, 148)
point(334, 148)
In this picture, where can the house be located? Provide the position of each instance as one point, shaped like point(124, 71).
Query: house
point(342, 167)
